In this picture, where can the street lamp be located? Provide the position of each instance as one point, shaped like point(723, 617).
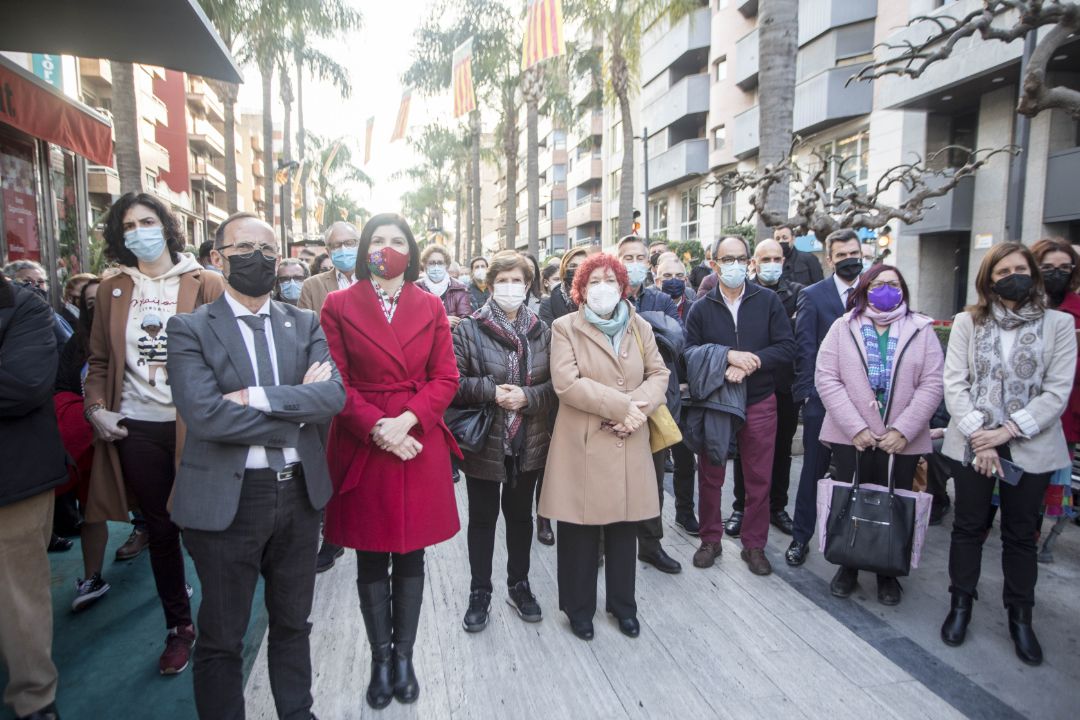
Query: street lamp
point(284, 172)
point(644, 137)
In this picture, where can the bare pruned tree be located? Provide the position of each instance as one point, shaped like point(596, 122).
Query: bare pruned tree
point(911, 58)
point(828, 198)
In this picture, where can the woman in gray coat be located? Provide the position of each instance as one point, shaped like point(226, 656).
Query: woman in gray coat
point(1008, 374)
point(502, 358)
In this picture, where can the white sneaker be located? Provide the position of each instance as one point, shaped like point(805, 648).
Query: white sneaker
point(88, 591)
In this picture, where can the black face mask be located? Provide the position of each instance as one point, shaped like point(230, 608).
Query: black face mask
point(1014, 287)
point(568, 279)
point(1057, 281)
point(253, 276)
point(849, 268)
point(786, 247)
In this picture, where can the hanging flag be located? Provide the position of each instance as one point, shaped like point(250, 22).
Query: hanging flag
point(367, 139)
point(402, 122)
point(464, 95)
point(543, 32)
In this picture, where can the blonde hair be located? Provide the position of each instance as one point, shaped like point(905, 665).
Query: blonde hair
point(506, 260)
point(431, 250)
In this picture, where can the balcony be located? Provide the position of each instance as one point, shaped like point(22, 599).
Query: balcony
point(744, 135)
point(586, 170)
point(258, 194)
point(205, 138)
point(101, 180)
point(596, 123)
point(216, 214)
point(688, 159)
point(210, 175)
point(687, 97)
point(817, 17)
point(1062, 202)
point(588, 212)
point(950, 213)
point(152, 108)
point(154, 157)
point(202, 98)
point(746, 60)
point(748, 8)
point(95, 72)
point(257, 170)
point(691, 33)
point(257, 141)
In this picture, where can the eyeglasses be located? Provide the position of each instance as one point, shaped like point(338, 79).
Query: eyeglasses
point(246, 250)
point(892, 283)
point(350, 243)
point(1051, 268)
point(436, 263)
point(733, 259)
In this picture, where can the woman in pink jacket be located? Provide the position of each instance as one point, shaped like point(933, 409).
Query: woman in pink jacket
point(879, 375)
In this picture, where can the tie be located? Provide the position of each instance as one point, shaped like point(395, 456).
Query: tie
point(275, 457)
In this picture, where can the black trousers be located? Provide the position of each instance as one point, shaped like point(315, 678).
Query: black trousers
point(275, 534)
point(578, 564)
point(938, 471)
point(371, 567)
point(683, 479)
point(787, 422)
point(516, 499)
point(1020, 509)
point(650, 532)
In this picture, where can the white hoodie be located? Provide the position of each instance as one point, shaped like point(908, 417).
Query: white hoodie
point(146, 393)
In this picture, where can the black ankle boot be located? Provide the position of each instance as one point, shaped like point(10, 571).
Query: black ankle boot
point(955, 627)
point(408, 597)
point(375, 607)
point(1023, 635)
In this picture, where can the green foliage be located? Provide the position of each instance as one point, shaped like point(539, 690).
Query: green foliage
point(689, 251)
point(746, 232)
point(942, 332)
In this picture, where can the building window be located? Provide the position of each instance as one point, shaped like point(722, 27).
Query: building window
point(720, 69)
point(616, 181)
point(727, 208)
point(558, 242)
point(719, 137)
point(689, 229)
point(848, 161)
point(558, 173)
point(558, 209)
point(658, 216)
point(558, 139)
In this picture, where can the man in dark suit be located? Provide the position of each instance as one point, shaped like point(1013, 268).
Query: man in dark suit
point(801, 267)
point(818, 308)
point(253, 380)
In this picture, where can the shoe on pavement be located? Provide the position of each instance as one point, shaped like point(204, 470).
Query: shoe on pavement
point(177, 653)
point(733, 526)
point(706, 555)
point(476, 617)
point(88, 591)
point(689, 524)
point(782, 521)
point(938, 510)
point(544, 534)
point(524, 602)
point(583, 629)
point(843, 582)
point(756, 560)
point(888, 590)
point(328, 554)
point(133, 547)
point(661, 561)
point(796, 553)
point(49, 712)
point(59, 544)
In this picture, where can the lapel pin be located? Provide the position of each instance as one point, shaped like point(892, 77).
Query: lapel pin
point(116, 292)
point(288, 323)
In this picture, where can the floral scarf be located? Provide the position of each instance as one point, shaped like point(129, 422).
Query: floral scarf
point(518, 356)
point(1002, 386)
point(387, 303)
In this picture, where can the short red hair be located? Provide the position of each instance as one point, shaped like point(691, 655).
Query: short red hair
point(585, 270)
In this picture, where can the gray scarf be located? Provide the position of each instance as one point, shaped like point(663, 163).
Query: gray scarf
point(1002, 387)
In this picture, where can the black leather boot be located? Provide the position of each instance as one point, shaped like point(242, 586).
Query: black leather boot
point(955, 627)
point(1023, 635)
point(408, 597)
point(375, 607)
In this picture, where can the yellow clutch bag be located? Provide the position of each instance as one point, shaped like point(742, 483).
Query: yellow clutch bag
point(663, 430)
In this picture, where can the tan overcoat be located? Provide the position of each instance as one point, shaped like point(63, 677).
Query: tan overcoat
point(315, 289)
point(592, 477)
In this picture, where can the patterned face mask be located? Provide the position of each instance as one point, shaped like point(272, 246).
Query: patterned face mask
point(387, 263)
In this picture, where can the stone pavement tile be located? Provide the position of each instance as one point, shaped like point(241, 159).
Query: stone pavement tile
point(911, 699)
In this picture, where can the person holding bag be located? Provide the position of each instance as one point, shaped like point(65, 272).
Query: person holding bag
point(1008, 374)
point(882, 414)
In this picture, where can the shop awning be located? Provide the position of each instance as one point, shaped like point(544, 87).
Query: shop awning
point(174, 34)
point(42, 111)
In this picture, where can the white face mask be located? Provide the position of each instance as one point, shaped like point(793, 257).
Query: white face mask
point(602, 298)
point(509, 296)
point(480, 275)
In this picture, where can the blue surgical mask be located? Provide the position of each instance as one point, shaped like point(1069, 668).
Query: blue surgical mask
point(733, 275)
point(769, 273)
point(344, 258)
point(145, 243)
point(290, 289)
point(436, 273)
point(637, 272)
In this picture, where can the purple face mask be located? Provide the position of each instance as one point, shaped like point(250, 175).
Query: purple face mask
point(885, 298)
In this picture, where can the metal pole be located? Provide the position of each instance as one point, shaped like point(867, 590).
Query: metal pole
point(281, 209)
point(1014, 213)
point(645, 150)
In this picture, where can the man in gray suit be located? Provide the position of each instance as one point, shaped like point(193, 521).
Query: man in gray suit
point(253, 381)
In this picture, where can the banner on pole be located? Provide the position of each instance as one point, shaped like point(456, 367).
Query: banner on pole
point(543, 32)
point(464, 94)
point(367, 139)
point(402, 122)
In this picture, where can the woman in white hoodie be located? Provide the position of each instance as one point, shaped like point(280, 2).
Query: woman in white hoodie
point(129, 401)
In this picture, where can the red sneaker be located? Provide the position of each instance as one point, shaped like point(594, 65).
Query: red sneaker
point(177, 653)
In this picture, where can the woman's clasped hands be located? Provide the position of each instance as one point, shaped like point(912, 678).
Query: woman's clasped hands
point(392, 435)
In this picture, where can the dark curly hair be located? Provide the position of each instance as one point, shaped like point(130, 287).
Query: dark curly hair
point(114, 228)
point(600, 260)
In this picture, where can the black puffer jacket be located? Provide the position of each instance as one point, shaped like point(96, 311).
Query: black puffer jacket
point(481, 360)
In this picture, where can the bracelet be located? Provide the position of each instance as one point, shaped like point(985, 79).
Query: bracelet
point(91, 410)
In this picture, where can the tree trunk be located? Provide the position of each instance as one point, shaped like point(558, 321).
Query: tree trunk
point(301, 138)
point(229, 92)
point(470, 228)
point(286, 149)
point(126, 122)
point(267, 72)
point(478, 225)
point(626, 176)
point(457, 224)
point(532, 173)
point(778, 45)
point(510, 150)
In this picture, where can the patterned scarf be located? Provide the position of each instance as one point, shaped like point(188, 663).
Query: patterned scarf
point(518, 356)
point(879, 369)
point(387, 303)
point(1000, 387)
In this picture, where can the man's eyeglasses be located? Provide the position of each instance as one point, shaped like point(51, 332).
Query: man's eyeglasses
point(733, 259)
point(350, 243)
point(246, 250)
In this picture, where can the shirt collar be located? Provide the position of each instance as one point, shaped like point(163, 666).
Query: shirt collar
point(841, 286)
point(240, 311)
point(342, 277)
point(742, 294)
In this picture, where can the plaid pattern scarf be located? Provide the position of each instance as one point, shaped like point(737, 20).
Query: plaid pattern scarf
point(879, 369)
point(518, 356)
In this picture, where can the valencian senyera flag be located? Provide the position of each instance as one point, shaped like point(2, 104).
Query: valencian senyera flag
point(367, 139)
point(402, 122)
point(543, 32)
point(464, 95)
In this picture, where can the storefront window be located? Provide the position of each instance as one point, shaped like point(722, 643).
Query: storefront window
point(19, 215)
point(71, 257)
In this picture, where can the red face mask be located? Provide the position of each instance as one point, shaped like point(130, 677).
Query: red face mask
point(387, 263)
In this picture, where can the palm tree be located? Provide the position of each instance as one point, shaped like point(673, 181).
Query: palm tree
point(229, 17)
point(332, 170)
point(532, 89)
point(126, 123)
point(778, 45)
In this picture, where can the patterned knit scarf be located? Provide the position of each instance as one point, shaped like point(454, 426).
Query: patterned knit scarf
point(518, 356)
point(1001, 386)
point(879, 369)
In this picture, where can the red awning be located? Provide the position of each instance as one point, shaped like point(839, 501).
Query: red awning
point(40, 110)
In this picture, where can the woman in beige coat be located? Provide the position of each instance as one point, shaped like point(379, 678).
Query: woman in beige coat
point(608, 375)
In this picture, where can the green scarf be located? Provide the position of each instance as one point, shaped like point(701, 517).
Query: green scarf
point(614, 327)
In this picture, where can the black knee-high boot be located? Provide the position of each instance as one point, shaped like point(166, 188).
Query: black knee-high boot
point(375, 607)
point(407, 599)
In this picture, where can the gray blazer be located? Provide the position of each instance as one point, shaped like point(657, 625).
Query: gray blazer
point(1046, 451)
point(207, 360)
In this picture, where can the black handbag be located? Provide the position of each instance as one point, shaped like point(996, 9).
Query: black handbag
point(869, 529)
point(470, 425)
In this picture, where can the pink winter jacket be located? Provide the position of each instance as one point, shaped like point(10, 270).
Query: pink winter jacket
point(916, 391)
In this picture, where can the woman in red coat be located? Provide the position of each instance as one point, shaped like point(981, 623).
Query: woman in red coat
point(389, 450)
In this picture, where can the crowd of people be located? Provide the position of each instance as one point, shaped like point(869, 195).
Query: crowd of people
point(241, 405)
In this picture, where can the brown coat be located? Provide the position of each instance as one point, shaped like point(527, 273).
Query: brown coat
point(592, 477)
point(105, 378)
point(315, 289)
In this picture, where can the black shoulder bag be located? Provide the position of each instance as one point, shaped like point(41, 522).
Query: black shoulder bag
point(470, 425)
